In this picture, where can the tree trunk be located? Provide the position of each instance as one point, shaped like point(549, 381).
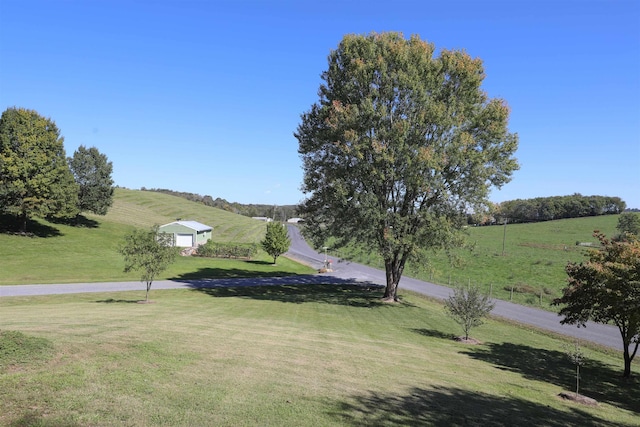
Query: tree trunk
point(628, 356)
point(23, 218)
point(627, 364)
point(148, 288)
point(393, 269)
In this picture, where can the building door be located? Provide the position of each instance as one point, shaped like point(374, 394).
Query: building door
point(184, 240)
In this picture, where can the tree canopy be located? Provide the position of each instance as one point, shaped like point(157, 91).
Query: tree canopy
point(468, 307)
point(34, 175)
point(629, 223)
point(399, 146)
point(276, 241)
point(92, 172)
point(606, 289)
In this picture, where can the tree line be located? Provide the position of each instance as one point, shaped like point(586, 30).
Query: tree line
point(36, 177)
point(277, 212)
point(550, 208)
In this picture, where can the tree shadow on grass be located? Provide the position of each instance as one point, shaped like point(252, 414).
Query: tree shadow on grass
point(229, 273)
point(442, 406)
point(349, 295)
point(294, 289)
point(10, 224)
point(434, 334)
point(597, 380)
point(258, 262)
point(119, 301)
point(79, 221)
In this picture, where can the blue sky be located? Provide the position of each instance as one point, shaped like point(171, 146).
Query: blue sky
point(218, 86)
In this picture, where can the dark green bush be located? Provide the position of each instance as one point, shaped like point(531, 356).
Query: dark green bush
point(227, 250)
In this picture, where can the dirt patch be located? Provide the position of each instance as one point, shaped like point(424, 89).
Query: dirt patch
point(578, 398)
point(556, 247)
point(471, 341)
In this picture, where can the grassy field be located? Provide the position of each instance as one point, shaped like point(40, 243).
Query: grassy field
point(533, 263)
point(324, 355)
point(59, 253)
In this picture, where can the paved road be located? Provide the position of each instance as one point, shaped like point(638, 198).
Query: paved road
point(344, 272)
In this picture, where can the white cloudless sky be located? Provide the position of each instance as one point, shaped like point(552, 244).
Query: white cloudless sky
point(204, 96)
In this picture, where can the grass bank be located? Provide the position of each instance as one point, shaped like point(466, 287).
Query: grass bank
point(62, 253)
point(289, 356)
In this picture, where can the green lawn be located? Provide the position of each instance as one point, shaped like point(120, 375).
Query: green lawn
point(320, 355)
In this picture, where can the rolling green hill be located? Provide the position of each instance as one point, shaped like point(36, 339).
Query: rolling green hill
point(60, 253)
point(533, 262)
point(146, 208)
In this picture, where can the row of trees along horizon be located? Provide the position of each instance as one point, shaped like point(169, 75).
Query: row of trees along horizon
point(277, 212)
point(515, 211)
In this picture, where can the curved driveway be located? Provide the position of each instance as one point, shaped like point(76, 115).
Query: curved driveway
point(343, 271)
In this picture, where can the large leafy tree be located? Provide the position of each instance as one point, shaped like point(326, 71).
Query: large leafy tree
point(606, 289)
point(148, 252)
point(35, 179)
point(399, 146)
point(276, 241)
point(629, 223)
point(92, 172)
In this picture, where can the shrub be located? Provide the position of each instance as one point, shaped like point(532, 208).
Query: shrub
point(227, 250)
point(467, 307)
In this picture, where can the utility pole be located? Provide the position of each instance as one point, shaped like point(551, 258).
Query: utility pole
point(504, 234)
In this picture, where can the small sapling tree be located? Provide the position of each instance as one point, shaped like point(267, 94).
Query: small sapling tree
point(276, 241)
point(468, 307)
point(576, 356)
point(149, 252)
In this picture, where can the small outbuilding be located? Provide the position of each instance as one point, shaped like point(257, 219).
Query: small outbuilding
point(187, 234)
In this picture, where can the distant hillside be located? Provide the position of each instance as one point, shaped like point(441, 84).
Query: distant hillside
point(277, 212)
